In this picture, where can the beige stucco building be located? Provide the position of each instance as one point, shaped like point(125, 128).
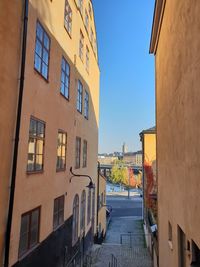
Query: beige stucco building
point(148, 139)
point(101, 219)
point(175, 42)
point(54, 212)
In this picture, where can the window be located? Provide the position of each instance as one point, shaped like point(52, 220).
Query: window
point(61, 151)
point(95, 46)
point(81, 46)
point(58, 212)
point(82, 220)
point(89, 207)
point(84, 153)
point(87, 59)
point(104, 197)
point(101, 199)
point(68, 17)
point(86, 20)
point(90, 10)
point(169, 231)
point(29, 233)
point(65, 78)
point(181, 248)
point(195, 255)
point(42, 50)
point(36, 145)
point(78, 152)
point(86, 105)
point(80, 6)
point(75, 219)
point(79, 96)
point(91, 36)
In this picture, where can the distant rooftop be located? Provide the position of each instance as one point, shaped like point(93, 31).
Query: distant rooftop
point(149, 130)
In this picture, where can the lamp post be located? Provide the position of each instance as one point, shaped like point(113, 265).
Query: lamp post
point(91, 185)
point(128, 183)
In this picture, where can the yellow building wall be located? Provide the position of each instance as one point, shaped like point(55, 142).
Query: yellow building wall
point(178, 113)
point(102, 211)
point(10, 46)
point(149, 147)
point(43, 100)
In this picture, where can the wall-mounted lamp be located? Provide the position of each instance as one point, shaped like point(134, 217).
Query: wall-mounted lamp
point(91, 185)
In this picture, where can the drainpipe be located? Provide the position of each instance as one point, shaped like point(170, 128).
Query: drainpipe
point(98, 176)
point(17, 131)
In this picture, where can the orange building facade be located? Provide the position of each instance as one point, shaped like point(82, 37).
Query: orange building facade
point(54, 212)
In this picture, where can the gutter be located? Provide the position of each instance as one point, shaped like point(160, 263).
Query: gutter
point(98, 176)
point(17, 132)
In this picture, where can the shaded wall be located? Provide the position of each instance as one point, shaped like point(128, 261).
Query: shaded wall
point(178, 130)
point(10, 50)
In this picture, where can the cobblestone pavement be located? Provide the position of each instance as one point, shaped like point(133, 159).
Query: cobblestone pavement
point(132, 252)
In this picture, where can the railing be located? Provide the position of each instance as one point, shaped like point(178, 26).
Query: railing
point(88, 261)
point(75, 261)
point(133, 240)
point(113, 262)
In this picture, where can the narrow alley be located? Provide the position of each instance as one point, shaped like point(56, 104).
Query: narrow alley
point(125, 240)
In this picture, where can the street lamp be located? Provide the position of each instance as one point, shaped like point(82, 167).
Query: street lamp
point(91, 185)
point(128, 183)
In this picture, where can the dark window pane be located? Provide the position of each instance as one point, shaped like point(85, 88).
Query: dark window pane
point(34, 227)
point(44, 70)
point(38, 62)
point(40, 129)
point(31, 162)
point(62, 88)
point(46, 41)
point(39, 32)
point(63, 77)
point(63, 65)
point(45, 57)
point(39, 160)
point(38, 48)
point(33, 127)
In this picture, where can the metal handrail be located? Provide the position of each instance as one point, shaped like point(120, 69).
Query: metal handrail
point(113, 262)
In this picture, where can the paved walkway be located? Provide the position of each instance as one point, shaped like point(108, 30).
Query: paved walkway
point(132, 252)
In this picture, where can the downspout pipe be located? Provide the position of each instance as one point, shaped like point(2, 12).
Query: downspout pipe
point(17, 132)
point(98, 177)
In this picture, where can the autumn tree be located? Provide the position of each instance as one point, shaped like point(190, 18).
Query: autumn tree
point(119, 173)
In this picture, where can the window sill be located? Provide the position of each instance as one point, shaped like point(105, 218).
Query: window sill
point(70, 36)
point(170, 245)
point(66, 98)
point(59, 226)
point(77, 167)
point(34, 172)
point(25, 254)
point(87, 118)
point(61, 170)
point(81, 59)
point(79, 111)
point(37, 72)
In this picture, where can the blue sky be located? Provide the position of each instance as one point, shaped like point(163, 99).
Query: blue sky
point(127, 101)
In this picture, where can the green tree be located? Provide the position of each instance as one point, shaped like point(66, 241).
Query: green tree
point(119, 173)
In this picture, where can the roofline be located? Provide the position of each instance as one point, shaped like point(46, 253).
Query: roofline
point(156, 26)
point(148, 131)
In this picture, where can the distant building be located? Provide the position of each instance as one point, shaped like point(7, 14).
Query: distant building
point(148, 139)
point(134, 158)
point(109, 160)
point(124, 148)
